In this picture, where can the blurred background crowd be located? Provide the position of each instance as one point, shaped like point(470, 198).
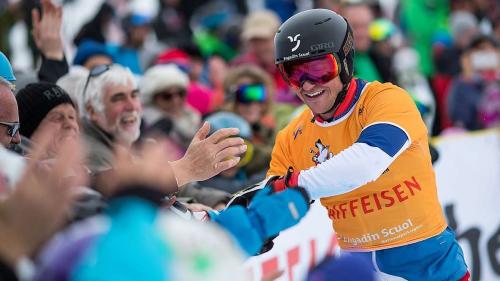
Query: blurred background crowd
point(444, 52)
point(192, 61)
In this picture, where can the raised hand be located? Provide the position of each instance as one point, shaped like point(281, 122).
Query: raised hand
point(149, 165)
point(47, 30)
point(40, 201)
point(208, 156)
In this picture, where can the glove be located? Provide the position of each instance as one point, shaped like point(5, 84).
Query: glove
point(267, 215)
point(290, 180)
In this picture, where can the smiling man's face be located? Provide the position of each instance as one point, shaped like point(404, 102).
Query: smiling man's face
point(121, 116)
point(320, 97)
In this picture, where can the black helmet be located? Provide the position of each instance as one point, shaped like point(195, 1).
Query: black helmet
point(314, 33)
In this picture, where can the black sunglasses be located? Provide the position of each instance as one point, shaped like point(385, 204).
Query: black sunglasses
point(94, 72)
point(13, 128)
point(169, 95)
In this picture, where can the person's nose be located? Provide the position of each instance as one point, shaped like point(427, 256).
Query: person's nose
point(132, 104)
point(307, 85)
point(70, 123)
point(16, 139)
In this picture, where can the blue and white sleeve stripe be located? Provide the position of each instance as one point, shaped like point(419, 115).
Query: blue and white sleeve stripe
point(389, 137)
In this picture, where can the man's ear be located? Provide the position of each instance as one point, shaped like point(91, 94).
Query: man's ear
point(91, 112)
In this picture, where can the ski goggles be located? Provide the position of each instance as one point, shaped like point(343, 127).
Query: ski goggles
point(249, 93)
point(319, 70)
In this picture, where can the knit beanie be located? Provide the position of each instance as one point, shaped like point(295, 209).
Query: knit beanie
point(35, 101)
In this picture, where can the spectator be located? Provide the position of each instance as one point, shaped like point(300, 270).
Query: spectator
point(368, 64)
point(199, 96)
point(73, 83)
point(6, 71)
point(237, 178)
point(9, 117)
point(46, 31)
point(385, 41)
point(91, 54)
point(46, 107)
point(95, 29)
point(47, 25)
point(249, 93)
point(164, 88)
point(421, 23)
point(165, 246)
point(258, 36)
point(171, 24)
point(113, 109)
point(39, 201)
point(136, 28)
point(463, 26)
point(496, 29)
point(474, 98)
point(408, 75)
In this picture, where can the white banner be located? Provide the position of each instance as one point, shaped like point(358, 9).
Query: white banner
point(468, 175)
point(468, 178)
point(298, 248)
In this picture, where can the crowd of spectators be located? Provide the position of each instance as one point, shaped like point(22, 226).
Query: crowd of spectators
point(87, 88)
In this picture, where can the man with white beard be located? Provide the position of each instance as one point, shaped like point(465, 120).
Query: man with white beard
point(112, 114)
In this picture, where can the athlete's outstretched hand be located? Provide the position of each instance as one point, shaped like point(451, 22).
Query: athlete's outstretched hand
point(208, 156)
point(290, 180)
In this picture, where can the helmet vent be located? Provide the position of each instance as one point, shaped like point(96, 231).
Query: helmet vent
point(322, 21)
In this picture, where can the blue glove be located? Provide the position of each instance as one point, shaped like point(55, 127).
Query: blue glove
point(267, 215)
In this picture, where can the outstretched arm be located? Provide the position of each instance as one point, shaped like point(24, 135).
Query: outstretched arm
point(205, 158)
point(47, 36)
point(377, 147)
point(208, 156)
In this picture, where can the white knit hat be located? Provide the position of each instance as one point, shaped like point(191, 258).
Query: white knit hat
point(160, 77)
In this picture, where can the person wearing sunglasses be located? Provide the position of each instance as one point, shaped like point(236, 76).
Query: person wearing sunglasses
point(9, 116)
point(362, 149)
point(164, 88)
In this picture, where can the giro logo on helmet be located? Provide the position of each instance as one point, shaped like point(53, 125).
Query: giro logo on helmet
point(294, 39)
point(322, 46)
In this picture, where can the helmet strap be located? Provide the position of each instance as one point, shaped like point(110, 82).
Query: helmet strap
point(340, 98)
